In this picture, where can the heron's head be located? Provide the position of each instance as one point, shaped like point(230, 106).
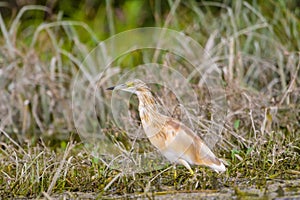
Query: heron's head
point(132, 86)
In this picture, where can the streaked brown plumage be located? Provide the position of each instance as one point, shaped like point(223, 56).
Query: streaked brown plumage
point(173, 139)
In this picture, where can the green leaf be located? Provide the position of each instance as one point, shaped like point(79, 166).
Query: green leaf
point(63, 144)
point(249, 150)
point(236, 124)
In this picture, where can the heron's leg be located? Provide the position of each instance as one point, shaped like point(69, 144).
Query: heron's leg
point(186, 164)
point(175, 172)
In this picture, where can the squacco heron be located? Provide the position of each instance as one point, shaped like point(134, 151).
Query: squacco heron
point(177, 142)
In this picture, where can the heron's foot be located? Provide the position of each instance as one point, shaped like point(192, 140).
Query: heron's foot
point(186, 164)
point(175, 172)
point(192, 172)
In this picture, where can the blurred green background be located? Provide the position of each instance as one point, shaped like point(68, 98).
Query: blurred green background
point(99, 14)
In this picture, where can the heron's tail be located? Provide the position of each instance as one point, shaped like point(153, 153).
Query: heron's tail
point(208, 158)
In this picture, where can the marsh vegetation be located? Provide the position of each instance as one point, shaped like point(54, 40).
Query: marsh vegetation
point(255, 44)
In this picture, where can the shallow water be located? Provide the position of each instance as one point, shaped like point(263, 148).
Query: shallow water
point(277, 189)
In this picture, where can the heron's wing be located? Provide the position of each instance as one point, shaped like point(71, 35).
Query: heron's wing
point(184, 143)
point(179, 140)
point(179, 133)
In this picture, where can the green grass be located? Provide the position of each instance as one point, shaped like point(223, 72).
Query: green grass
point(37, 168)
point(255, 44)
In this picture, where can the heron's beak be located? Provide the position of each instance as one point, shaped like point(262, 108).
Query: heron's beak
point(117, 87)
point(110, 88)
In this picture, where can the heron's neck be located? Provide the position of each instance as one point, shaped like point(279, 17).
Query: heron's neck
point(149, 114)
